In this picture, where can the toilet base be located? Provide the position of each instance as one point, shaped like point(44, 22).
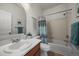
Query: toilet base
point(44, 53)
point(44, 49)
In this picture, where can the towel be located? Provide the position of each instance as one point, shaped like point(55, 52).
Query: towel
point(75, 33)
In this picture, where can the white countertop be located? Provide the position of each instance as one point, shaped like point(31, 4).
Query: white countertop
point(33, 42)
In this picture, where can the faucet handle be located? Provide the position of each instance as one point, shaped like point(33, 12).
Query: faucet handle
point(13, 40)
point(17, 39)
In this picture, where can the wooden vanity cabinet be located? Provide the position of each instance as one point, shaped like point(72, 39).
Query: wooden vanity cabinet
point(34, 51)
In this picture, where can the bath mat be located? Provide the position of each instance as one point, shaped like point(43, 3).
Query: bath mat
point(50, 53)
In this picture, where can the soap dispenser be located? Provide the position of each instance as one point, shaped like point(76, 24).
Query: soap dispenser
point(29, 35)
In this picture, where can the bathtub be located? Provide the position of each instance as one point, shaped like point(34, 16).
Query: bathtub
point(64, 50)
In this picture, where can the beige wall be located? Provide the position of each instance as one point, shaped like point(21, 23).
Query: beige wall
point(58, 29)
point(69, 17)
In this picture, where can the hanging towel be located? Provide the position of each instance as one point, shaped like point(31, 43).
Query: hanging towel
point(75, 33)
point(20, 30)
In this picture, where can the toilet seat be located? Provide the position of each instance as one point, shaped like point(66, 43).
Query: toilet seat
point(45, 47)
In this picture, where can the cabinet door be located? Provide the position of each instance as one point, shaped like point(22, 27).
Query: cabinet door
point(35, 51)
point(38, 53)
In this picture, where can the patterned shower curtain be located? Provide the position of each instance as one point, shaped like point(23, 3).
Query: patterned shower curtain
point(43, 30)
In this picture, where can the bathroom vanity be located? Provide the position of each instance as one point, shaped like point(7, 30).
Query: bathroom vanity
point(28, 47)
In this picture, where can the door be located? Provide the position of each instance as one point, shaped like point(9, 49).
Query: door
point(5, 23)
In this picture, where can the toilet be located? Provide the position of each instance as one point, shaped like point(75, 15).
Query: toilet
point(44, 49)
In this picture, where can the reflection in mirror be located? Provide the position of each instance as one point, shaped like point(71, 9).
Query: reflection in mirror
point(12, 21)
point(5, 23)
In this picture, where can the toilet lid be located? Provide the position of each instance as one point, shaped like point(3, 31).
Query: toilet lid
point(45, 46)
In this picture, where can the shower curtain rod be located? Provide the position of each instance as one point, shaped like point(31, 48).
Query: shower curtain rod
point(58, 12)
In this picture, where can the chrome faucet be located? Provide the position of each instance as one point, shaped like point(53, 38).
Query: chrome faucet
point(15, 40)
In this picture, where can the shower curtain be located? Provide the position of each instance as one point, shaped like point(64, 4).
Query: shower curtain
point(43, 30)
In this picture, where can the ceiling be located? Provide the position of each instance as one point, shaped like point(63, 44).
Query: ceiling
point(44, 6)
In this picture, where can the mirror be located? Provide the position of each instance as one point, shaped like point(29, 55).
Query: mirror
point(12, 19)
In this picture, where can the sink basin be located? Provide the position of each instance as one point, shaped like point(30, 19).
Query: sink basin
point(16, 46)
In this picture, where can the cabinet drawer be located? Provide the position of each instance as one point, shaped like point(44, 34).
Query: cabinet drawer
point(33, 51)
